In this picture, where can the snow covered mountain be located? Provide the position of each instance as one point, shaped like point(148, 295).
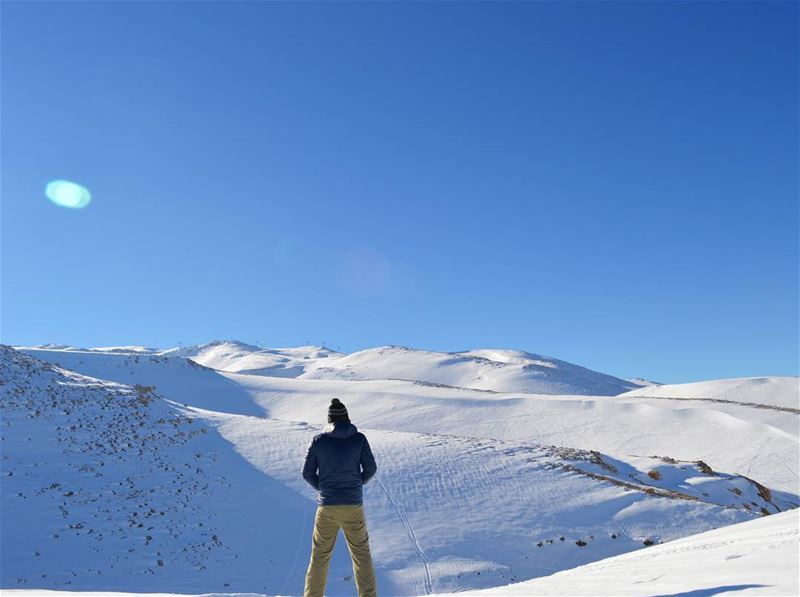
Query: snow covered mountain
point(238, 357)
point(558, 480)
point(626, 424)
point(131, 349)
point(491, 370)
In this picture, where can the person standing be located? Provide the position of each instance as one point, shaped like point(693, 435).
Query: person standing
point(338, 463)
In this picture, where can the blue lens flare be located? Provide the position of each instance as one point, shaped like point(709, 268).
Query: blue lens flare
point(68, 194)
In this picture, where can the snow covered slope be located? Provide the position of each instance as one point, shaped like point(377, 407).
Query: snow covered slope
point(759, 557)
point(448, 512)
point(627, 468)
point(759, 443)
point(494, 370)
point(780, 392)
point(237, 357)
point(108, 486)
point(756, 442)
point(178, 378)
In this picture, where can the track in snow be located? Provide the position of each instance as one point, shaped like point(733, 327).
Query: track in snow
point(785, 409)
point(412, 536)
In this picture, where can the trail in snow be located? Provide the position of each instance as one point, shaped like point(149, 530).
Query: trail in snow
point(785, 409)
point(412, 536)
point(756, 455)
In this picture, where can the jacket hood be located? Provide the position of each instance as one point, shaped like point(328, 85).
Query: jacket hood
point(340, 430)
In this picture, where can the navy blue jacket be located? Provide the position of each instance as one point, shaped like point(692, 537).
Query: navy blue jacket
point(339, 461)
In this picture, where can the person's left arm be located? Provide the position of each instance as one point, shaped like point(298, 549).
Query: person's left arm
point(310, 468)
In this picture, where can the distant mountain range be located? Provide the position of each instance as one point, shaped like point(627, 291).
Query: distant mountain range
point(484, 369)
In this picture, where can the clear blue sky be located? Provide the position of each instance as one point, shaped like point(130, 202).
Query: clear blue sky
point(613, 184)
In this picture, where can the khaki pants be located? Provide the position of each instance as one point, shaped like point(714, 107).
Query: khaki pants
point(350, 519)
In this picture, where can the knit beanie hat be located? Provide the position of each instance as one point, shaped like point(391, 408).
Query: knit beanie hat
point(337, 409)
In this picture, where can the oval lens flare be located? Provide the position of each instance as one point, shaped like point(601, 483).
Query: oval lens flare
point(68, 194)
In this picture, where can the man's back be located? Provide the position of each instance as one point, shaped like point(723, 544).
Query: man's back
point(338, 463)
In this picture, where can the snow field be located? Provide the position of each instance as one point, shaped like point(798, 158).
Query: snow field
point(759, 557)
point(475, 488)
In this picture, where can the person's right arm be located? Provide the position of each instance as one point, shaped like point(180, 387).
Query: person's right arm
point(368, 466)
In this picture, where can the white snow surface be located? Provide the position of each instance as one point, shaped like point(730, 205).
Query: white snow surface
point(485, 369)
point(238, 357)
point(758, 557)
point(475, 489)
point(711, 431)
point(492, 370)
point(783, 392)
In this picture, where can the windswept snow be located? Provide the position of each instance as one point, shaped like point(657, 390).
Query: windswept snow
point(107, 486)
point(127, 349)
point(223, 347)
point(485, 369)
point(494, 370)
point(181, 379)
point(755, 442)
point(120, 349)
point(443, 505)
point(238, 357)
point(759, 443)
point(780, 392)
point(475, 488)
point(758, 557)
point(54, 346)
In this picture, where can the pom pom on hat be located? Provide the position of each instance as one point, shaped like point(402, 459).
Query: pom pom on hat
point(337, 409)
